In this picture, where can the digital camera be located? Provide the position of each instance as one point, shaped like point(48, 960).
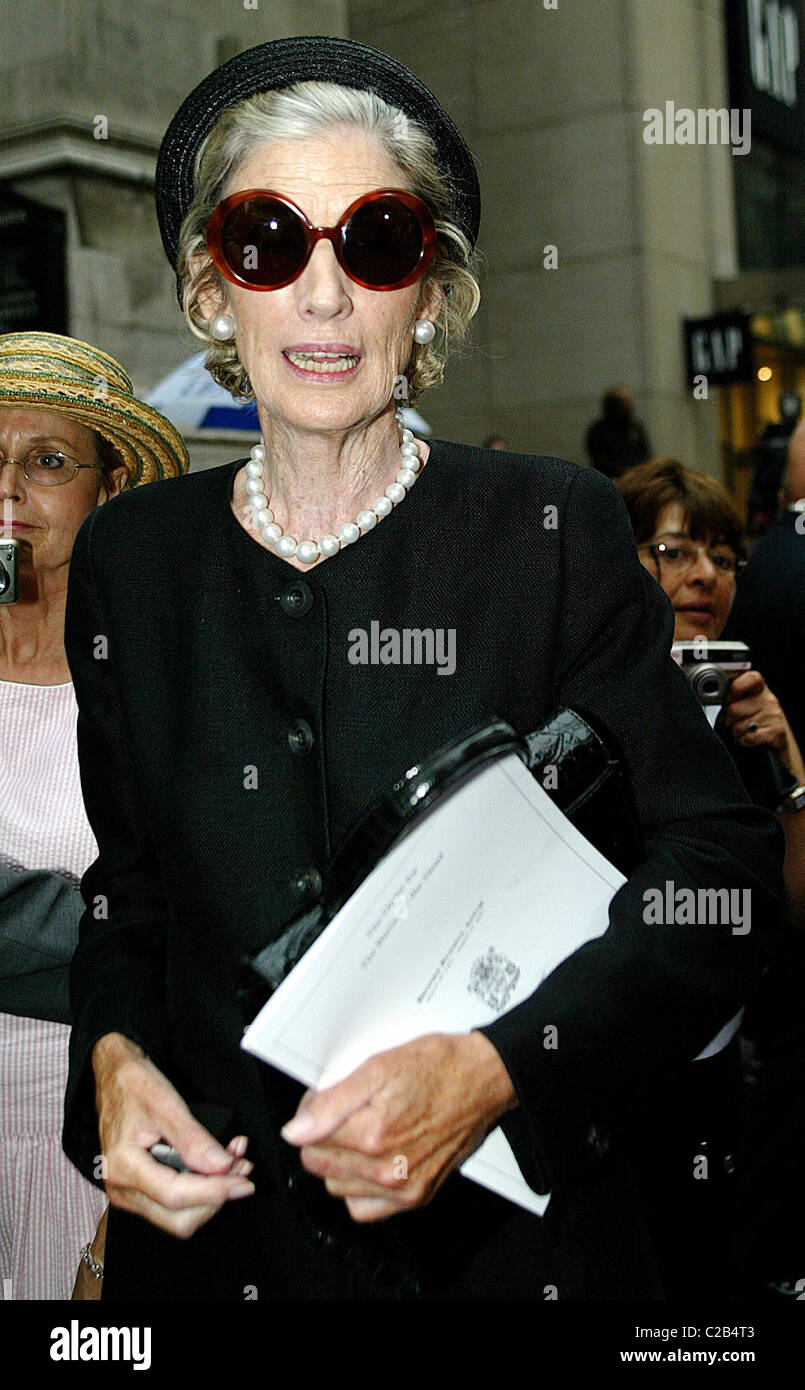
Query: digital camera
point(9, 571)
point(710, 667)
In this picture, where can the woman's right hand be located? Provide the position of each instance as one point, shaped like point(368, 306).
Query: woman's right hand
point(138, 1107)
point(756, 718)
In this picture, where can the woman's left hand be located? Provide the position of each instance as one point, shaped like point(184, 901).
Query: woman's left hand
point(750, 702)
point(386, 1137)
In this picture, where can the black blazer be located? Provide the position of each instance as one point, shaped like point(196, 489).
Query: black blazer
point(227, 742)
point(769, 615)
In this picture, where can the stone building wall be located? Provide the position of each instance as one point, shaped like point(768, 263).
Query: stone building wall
point(64, 64)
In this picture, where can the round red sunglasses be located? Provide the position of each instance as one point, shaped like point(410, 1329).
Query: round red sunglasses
point(262, 241)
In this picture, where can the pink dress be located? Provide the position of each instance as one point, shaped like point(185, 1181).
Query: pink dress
point(47, 1209)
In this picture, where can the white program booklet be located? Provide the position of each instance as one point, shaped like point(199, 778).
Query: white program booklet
point(459, 922)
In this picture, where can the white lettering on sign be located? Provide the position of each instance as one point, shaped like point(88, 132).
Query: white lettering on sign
point(716, 349)
point(774, 48)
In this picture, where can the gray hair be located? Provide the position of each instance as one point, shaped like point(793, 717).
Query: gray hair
point(315, 109)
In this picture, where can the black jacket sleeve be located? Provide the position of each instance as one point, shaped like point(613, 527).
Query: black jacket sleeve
point(644, 997)
point(39, 914)
point(118, 970)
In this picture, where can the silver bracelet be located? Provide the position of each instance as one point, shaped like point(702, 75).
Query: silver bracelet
point(94, 1266)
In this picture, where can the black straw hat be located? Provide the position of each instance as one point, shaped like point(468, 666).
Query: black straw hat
point(311, 58)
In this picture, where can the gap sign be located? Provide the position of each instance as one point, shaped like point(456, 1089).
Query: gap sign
point(766, 73)
point(719, 348)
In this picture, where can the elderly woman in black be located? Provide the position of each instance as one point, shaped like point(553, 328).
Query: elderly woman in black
point(322, 209)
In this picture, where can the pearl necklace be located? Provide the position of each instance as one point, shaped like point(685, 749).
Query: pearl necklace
point(329, 544)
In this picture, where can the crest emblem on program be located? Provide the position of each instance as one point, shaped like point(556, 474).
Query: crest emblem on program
point(493, 978)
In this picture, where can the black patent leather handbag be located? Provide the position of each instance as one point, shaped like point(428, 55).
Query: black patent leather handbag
point(574, 762)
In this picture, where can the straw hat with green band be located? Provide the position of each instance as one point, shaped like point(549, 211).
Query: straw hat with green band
point(48, 372)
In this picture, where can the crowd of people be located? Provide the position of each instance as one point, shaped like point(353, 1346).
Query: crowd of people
point(320, 210)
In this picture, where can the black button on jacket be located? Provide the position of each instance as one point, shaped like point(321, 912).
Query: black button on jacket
point(206, 818)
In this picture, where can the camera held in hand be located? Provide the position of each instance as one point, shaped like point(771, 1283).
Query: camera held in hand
point(711, 667)
point(9, 571)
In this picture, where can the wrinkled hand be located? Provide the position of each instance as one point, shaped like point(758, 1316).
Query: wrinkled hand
point(138, 1107)
point(749, 701)
point(386, 1137)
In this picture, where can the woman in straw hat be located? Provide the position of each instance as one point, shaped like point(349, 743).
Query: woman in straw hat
point(321, 209)
point(72, 436)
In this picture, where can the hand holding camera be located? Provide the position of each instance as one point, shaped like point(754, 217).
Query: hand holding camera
point(722, 677)
point(754, 715)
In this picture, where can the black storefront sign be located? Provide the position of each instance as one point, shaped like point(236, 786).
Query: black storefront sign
point(720, 349)
point(767, 72)
point(33, 280)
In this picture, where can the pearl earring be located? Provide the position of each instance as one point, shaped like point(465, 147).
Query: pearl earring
point(424, 331)
point(222, 327)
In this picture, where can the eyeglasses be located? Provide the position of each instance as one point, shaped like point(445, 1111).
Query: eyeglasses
point(680, 556)
point(262, 241)
point(47, 467)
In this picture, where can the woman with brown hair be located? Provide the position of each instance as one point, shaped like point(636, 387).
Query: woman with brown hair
point(689, 536)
